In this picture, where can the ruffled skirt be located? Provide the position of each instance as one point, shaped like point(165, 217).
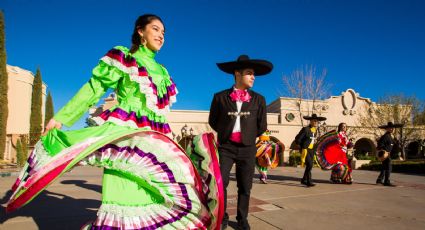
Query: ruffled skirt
point(149, 181)
point(266, 157)
point(330, 156)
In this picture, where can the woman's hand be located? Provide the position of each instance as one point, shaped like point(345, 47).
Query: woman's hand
point(51, 125)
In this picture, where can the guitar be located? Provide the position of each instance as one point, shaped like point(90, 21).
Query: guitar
point(382, 155)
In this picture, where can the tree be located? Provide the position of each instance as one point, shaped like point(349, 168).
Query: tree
point(36, 105)
point(21, 150)
point(20, 160)
point(24, 143)
point(49, 111)
point(3, 89)
point(419, 114)
point(308, 86)
point(399, 109)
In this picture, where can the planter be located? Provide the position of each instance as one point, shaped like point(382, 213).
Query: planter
point(358, 163)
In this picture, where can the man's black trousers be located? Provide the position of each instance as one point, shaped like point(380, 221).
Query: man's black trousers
point(244, 158)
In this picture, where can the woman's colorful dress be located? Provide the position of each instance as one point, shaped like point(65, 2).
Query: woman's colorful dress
point(149, 181)
point(266, 156)
point(331, 154)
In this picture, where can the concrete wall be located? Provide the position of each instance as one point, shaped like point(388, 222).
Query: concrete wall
point(19, 102)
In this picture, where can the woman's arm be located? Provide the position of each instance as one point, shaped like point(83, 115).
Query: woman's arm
point(104, 76)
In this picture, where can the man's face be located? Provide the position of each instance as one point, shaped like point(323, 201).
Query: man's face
point(244, 78)
point(314, 123)
point(390, 130)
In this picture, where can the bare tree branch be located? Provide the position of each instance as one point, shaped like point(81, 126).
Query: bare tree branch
point(395, 108)
point(307, 86)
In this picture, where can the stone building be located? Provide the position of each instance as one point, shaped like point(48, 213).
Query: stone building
point(19, 102)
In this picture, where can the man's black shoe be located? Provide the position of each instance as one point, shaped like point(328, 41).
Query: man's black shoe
point(310, 184)
point(243, 225)
point(224, 225)
point(389, 184)
point(304, 182)
point(378, 181)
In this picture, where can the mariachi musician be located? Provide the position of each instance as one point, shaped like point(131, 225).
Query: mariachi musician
point(385, 145)
point(239, 116)
point(306, 139)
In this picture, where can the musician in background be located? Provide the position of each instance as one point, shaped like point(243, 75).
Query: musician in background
point(386, 143)
point(306, 139)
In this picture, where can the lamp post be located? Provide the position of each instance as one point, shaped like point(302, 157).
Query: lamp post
point(402, 142)
point(191, 132)
point(322, 128)
point(184, 130)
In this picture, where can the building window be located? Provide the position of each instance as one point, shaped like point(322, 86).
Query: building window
point(290, 117)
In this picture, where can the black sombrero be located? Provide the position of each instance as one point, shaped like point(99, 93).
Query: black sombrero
point(260, 67)
point(390, 125)
point(314, 117)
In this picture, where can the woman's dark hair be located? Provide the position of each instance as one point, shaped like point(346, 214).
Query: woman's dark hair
point(340, 126)
point(141, 23)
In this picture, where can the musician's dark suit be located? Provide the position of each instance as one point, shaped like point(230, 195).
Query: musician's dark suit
point(243, 154)
point(386, 143)
point(304, 139)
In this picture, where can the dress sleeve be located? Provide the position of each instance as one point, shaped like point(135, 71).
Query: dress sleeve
point(104, 76)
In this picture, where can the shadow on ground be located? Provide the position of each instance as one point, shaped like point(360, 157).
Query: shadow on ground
point(51, 210)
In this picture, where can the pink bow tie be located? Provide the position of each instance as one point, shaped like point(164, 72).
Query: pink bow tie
point(240, 95)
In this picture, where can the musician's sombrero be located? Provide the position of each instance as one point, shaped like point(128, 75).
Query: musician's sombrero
point(390, 125)
point(314, 117)
point(260, 67)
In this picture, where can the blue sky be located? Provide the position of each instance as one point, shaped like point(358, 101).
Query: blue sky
point(376, 47)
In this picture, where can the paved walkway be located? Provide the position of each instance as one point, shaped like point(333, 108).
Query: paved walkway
point(281, 204)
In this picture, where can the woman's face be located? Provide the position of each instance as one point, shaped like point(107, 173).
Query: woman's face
point(153, 35)
point(344, 127)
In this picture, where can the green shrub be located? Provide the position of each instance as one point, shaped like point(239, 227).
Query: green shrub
point(415, 167)
point(20, 160)
point(365, 157)
point(295, 158)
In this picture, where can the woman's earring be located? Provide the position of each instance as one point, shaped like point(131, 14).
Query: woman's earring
point(142, 40)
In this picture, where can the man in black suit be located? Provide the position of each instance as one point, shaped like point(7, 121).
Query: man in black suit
point(306, 139)
point(239, 116)
point(386, 143)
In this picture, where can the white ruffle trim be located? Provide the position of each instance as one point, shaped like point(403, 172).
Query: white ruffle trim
point(144, 86)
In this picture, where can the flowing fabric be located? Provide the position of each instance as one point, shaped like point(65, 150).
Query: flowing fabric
point(266, 157)
point(331, 155)
point(156, 183)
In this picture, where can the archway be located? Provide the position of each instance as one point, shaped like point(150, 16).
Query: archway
point(364, 147)
point(415, 149)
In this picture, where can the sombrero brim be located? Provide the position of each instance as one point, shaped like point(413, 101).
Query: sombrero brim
point(260, 67)
point(314, 118)
point(390, 126)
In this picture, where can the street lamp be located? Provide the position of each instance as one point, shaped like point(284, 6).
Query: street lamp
point(322, 128)
point(184, 130)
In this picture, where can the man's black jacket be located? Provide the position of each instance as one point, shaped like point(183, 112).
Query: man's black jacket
point(304, 137)
point(252, 125)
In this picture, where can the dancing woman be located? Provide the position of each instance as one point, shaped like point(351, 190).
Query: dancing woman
point(149, 182)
